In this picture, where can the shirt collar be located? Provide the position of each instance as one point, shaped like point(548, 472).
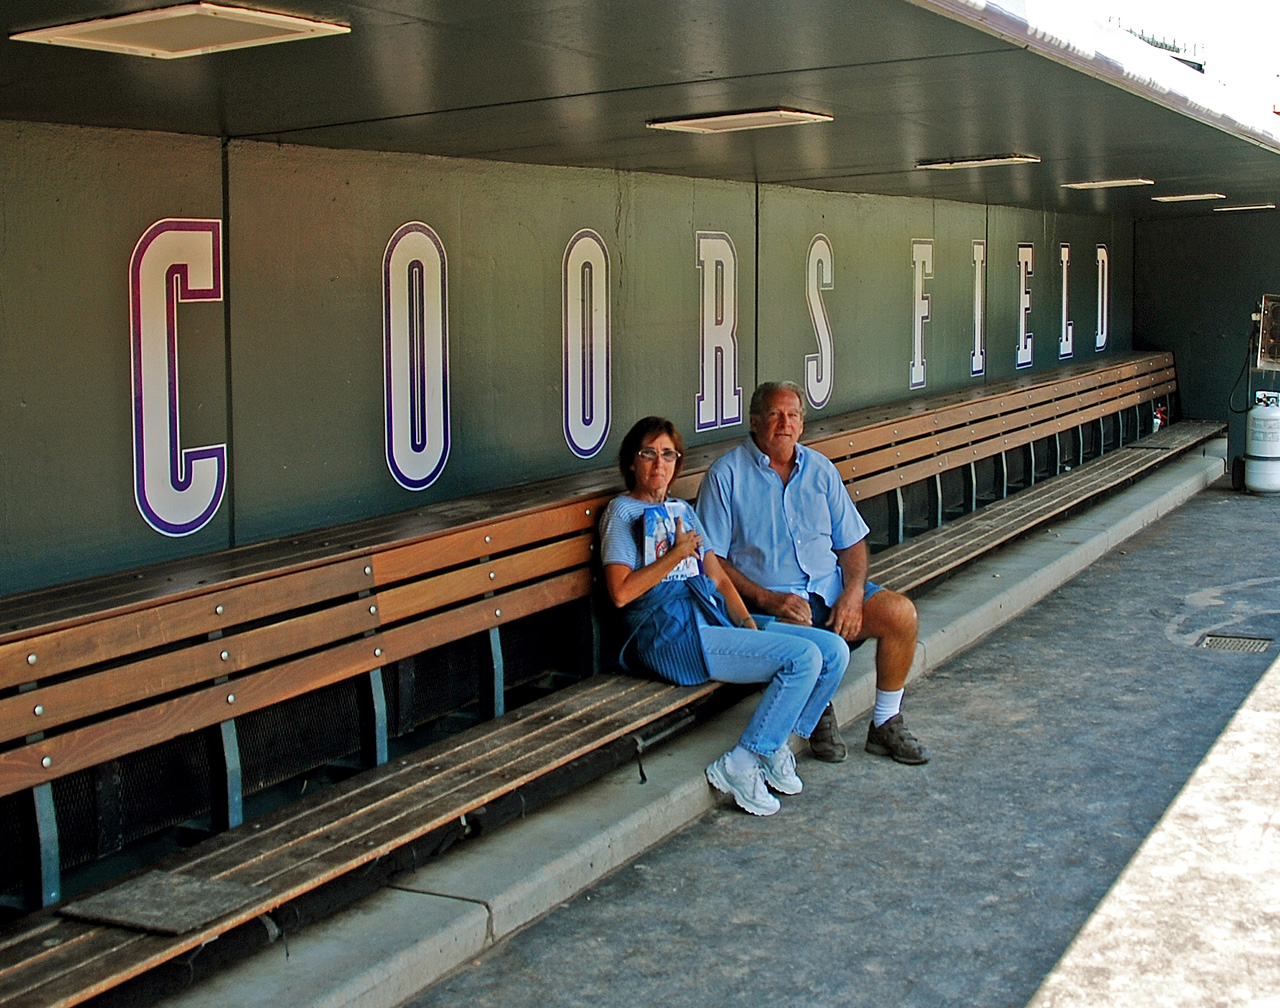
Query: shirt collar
point(762, 460)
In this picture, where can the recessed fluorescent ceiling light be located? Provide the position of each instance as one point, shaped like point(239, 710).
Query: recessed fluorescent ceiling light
point(1254, 206)
point(1189, 197)
point(727, 122)
point(1108, 183)
point(186, 30)
point(980, 162)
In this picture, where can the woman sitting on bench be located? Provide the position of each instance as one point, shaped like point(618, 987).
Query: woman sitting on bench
point(685, 622)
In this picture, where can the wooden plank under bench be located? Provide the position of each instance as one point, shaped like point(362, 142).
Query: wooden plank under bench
point(49, 961)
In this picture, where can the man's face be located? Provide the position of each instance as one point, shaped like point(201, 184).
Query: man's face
point(778, 429)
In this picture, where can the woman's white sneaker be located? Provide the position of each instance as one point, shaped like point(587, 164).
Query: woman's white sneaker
point(780, 771)
point(748, 788)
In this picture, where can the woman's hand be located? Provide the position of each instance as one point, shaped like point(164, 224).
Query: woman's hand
point(626, 585)
point(688, 542)
point(734, 605)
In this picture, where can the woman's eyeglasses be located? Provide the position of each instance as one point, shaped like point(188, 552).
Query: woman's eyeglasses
point(651, 454)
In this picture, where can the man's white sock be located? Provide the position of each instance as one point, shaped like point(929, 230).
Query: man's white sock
point(888, 703)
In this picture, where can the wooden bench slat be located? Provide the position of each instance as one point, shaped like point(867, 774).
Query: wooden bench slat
point(455, 791)
point(470, 582)
point(365, 795)
point(913, 472)
point(196, 577)
point(57, 978)
point(165, 673)
point(37, 938)
point(939, 550)
point(105, 639)
point(1009, 517)
point(418, 818)
point(439, 552)
point(81, 748)
point(898, 409)
point(1010, 430)
point(970, 409)
point(420, 635)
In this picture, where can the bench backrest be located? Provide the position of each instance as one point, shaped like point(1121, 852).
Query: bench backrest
point(189, 663)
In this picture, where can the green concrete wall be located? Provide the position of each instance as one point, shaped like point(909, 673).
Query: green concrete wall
point(73, 202)
point(870, 303)
point(287, 370)
point(1197, 283)
point(308, 231)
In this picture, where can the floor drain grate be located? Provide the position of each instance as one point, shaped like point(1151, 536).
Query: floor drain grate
point(1254, 645)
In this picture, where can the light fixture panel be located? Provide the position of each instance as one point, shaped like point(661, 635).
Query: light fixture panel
point(1189, 197)
point(1251, 206)
point(185, 30)
point(1108, 183)
point(981, 161)
point(728, 122)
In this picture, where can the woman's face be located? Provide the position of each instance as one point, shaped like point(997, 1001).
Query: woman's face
point(653, 476)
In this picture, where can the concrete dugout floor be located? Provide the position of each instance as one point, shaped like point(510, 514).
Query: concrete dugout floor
point(1058, 740)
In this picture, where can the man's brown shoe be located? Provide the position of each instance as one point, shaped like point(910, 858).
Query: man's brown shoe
point(825, 743)
point(892, 739)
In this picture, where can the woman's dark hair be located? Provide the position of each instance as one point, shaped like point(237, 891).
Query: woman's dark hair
point(641, 431)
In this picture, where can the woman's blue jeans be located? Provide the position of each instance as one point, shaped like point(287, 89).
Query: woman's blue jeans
point(802, 665)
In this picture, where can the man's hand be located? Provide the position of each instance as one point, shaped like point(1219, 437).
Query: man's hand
point(789, 608)
point(846, 615)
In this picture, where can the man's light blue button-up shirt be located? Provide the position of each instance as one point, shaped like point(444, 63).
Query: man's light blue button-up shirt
point(783, 538)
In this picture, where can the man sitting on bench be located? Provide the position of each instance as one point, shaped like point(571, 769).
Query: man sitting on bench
point(794, 545)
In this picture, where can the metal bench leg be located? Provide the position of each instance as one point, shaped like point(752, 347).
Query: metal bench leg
point(893, 502)
point(935, 500)
point(969, 475)
point(596, 642)
point(42, 881)
point(107, 788)
point(499, 705)
point(371, 698)
point(226, 783)
point(406, 694)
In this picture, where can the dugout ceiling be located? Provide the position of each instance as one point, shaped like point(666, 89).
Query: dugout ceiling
point(573, 82)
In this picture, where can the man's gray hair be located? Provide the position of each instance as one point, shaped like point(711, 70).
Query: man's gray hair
point(766, 389)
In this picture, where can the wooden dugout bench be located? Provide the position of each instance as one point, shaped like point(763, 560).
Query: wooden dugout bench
point(94, 672)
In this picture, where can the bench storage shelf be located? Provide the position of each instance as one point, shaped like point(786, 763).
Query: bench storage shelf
point(101, 671)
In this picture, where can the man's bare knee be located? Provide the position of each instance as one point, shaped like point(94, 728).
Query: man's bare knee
point(889, 614)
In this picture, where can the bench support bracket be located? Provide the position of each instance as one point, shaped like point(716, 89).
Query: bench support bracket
point(43, 882)
point(226, 785)
point(499, 706)
point(372, 700)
